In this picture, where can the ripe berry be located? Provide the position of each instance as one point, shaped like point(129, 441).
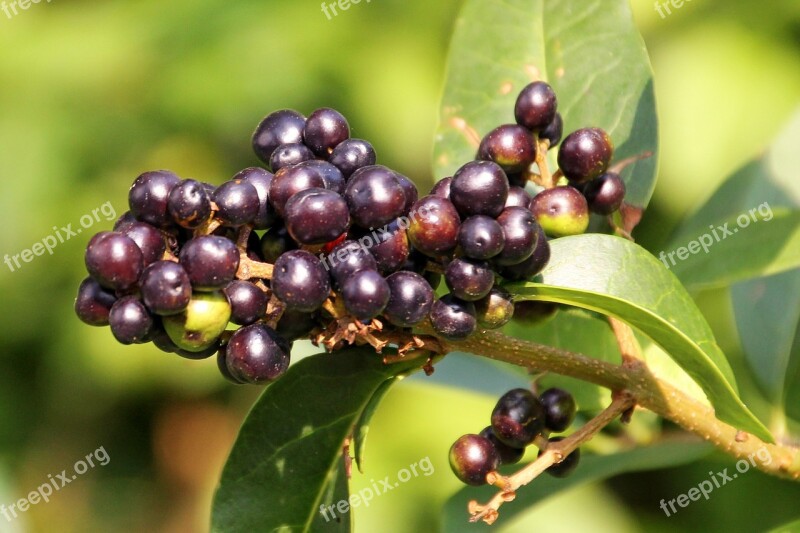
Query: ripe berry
point(237, 201)
point(495, 309)
point(300, 281)
point(129, 320)
point(605, 193)
point(389, 247)
point(510, 146)
point(316, 216)
point(93, 303)
point(261, 180)
point(290, 181)
point(256, 354)
point(114, 260)
point(375, 196)
point(287, 155)
point(452, 318)
point(567, 465)
point(281, 127)
point(148, 238)
point(248, 302)
point(198, 327)
point(469, 279)
point(481, 237)
point(536, 106)
point(533, 264)
point(166, 288)
point(518, 197)
point(275, 242)
point(158, 336)
point(149, 195)
point(347, 258)
point(520, 232)
point(559, 407)
point(365, 294)
point(585, 154)
point(561, 211)
point(352, 154)
point(410, 190)
point(442, 188)
point(189, 204)
point(506, 454)
point(479, 188)
point(410, 300)
point(295, 324)
point(472, 457)
point(325, 129)
point(332, 176)
point(518, 418)
point(222, 366)
point(211, 261)
point(553, 131)
point(434, 226)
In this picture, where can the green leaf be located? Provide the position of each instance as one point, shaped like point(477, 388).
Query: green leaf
point(588, 50)
point(741, 247)
point(288, 452)
point(616, 277)
point(362, 425)
point(667, 454)
point(791, 527)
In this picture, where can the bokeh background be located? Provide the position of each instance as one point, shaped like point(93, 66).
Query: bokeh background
point(93, 93)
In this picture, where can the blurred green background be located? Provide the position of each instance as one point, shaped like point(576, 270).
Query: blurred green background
point(92, 94)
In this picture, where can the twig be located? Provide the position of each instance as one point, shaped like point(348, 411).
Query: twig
point(628, 346)
point(249, 269)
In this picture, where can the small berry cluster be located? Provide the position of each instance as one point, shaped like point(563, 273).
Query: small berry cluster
point(518, 419)
point(331, 246)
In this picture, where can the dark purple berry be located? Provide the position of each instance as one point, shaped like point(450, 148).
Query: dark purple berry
point(149, 195)
point(352, 154)
point(189, 204)
point(375, 196)
point(148, 238)
point(114, 260)
point(567, 465)
point(510, 146)
point(553, 131)
point(93, 303)
point(506, 454)
point(533, 264)
point(521, 235)
point(452, 318)
point(325, 129)
point(469, 279)
point(295, 324)
point(518, 197)
point(605, 193)
point(287, 155)
point(316, 216)
point(518, 418)
point(300, 281)
point(434, 226)
point(442, 188)
point(365, 294)
point(261, 180)
point(166, 288)
point(237, 201)
point(479, 188)
point(532, 312)
point(222, 366)
point(290, 181)
point(275, 242)
point(410, 300)
point(248, 302)
point(256, 354)
point(332, 176)
point(281, 127)
point(585, 154)
point(410, 190)
point(348, 258)
point(388, 245)
point(481, 237)
point(129, 320)
point(536, 106)
point(211, 261)
point(559, 408)
point(472, 457)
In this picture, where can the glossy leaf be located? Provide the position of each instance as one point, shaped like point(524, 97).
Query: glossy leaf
point(287, 458)
point(588, 50)
point(616, 277)
point(592, 468)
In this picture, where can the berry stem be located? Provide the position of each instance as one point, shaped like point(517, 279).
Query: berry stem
point(629, 348)
point(249, 269)
point(648, 392)
point(548, 180)
point(554, 453)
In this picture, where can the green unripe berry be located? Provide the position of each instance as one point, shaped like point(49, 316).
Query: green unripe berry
point(201, 323)
point(561, 211)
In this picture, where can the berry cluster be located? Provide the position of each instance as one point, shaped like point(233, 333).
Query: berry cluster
point(331, 246)
point(517, 420)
